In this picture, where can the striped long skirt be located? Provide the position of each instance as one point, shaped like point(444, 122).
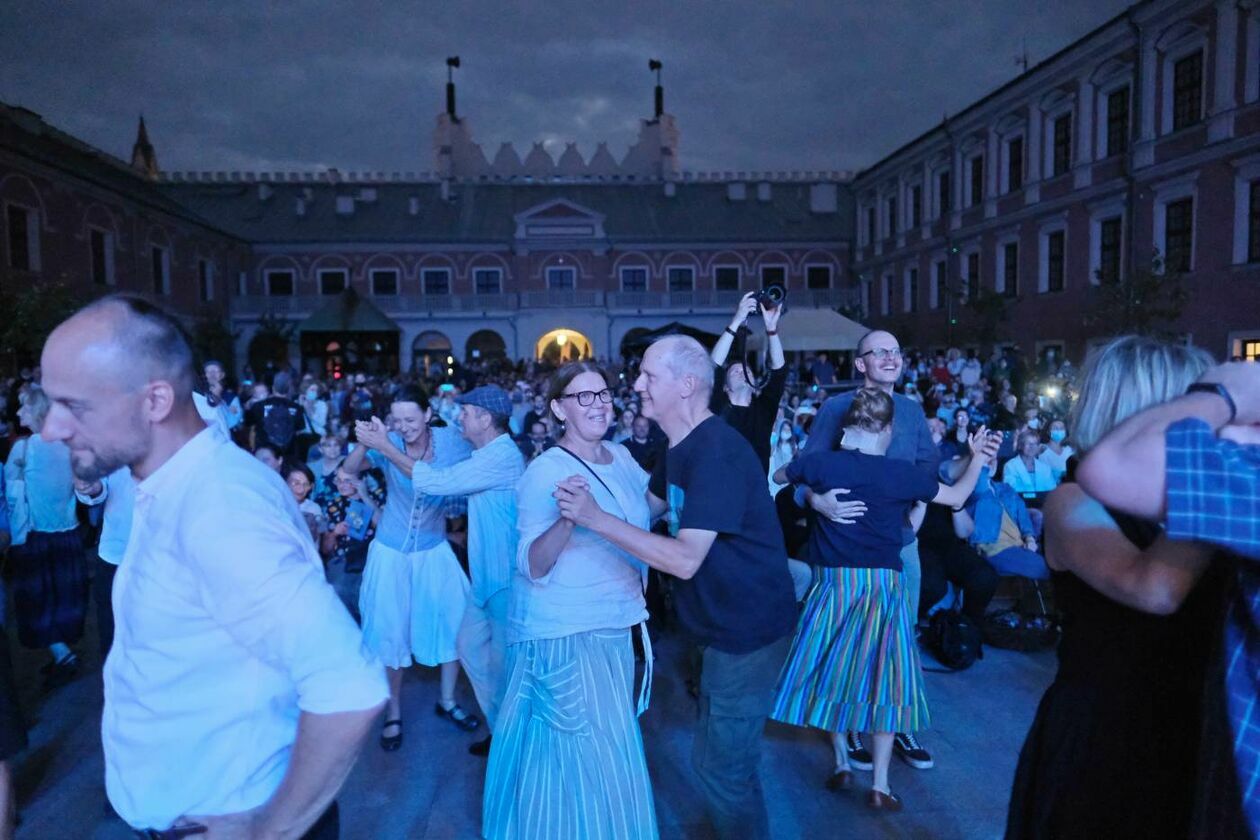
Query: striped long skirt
point(50, 587)
point(567, 759)
point(853, 664)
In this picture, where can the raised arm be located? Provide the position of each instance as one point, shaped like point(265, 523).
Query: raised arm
point(983, 446)
point(485, 469)
point(722, 348)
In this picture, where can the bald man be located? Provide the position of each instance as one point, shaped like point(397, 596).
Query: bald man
point(733, 594)
point(236, 696)
point(878, 359)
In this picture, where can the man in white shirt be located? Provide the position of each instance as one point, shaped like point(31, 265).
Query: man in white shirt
point(488, 478)
point(236, 695)
point(1026, 473)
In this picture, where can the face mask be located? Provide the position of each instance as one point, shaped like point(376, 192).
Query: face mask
point(966, 401)
point(785, 436)
point(1058, 435)
point(312, 394)
point(1034, 423)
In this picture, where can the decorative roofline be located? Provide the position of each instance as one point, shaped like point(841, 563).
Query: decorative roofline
point(334, 176)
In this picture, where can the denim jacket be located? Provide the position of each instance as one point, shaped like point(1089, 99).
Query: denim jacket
point(986, 505)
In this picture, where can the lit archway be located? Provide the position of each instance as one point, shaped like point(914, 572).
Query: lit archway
point(563, 345)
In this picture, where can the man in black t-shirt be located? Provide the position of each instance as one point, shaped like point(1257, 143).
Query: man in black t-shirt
point(277, 420)
point(733, 593)
point(746, 410)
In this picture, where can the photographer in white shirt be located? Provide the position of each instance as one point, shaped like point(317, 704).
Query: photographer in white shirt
point(236, 695)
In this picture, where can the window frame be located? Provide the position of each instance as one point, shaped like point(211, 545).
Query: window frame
point(669, 278)
point(478, 271)
point(761, 273)
point(321, 273)
point(831, 274)
point(108, 278)
point(31, 218)
point(942, 199)
point(915, 205)
point(555, 270)
point(1174, 60)
point(425, 272)
point(739, 276)
point(885, 294)
point(1171, 192)
point(938, 284)
point(1105, 95)
point(373, 273)
point(974, 166)
point(271, 272)
point(910, 290)
point(160, 268)
point(1007, 185)
point(1001, 264)
point(1067, 147)
point(1045, 238)
point(205, 279)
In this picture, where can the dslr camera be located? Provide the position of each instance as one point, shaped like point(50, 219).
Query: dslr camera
point(771, 297)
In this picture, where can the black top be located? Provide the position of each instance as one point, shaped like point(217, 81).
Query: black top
point(754, 421)
point(887, 485)
point(741, 599)
point(1128, 694)
point(277, 421)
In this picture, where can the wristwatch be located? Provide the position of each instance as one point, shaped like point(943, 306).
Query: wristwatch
point(1218, 389)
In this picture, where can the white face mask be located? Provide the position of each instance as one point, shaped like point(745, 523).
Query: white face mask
point(312, 393)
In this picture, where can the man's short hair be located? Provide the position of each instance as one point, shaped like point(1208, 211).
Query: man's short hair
point(684, 356)
point(153, 342)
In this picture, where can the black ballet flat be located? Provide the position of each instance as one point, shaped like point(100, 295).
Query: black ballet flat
point(390, 743)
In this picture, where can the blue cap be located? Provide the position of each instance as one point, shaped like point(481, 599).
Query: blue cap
point(490, 397)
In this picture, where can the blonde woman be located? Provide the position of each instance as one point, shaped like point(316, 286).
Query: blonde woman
point(1113, 749)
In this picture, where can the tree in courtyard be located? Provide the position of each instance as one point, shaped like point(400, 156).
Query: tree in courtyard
point(213, 340)
point(1148, 301)
point(30, 314)
point(269, 348)
point(992, 311)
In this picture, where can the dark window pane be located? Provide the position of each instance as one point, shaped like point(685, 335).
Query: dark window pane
point(818, 277)
point(943, 189)
point(99, 269)
point(487, 281)
point(280, 283)
point(977, 179)
point(973, 276)
point(916, 206)
point(1015, 163)
point(726, 278)
point(912, 290)
point(203, 280)
point(385, 282)
point(939, 279)
point(773, 275)
point(1062, 144)
point(157, 264)
point(1188, 91)
point(436, 282)
point(1118, 121)
point(1055, 243)
point(1109, 244)
point(19, 244)
point(1010, 269)
point(681, 279)
point(871, 233)
point(1179, 233)
point(1253, 224)
point(332, 282)
point(892, 216)
point(634, 279)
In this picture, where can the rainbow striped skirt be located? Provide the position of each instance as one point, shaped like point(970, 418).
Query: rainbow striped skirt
point(853, 665)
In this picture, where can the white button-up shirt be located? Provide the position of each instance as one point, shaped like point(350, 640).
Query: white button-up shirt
point(226, 632)
point(488, 478)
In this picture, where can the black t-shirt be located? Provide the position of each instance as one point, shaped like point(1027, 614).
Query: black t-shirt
point(741, 598)
point(755, 421)
point(277, 421)
point(887, 485)
point(648, 453)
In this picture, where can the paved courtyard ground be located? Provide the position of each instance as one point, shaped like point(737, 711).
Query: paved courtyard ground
point(432, 788)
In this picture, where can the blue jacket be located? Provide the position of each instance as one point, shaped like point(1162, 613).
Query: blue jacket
point(986, 505)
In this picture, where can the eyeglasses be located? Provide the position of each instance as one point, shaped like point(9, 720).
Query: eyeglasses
point(883, 353)
point(585, 398)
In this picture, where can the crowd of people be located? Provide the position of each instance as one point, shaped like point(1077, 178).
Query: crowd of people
point(527, 525)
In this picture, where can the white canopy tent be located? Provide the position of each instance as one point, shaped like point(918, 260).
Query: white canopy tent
point(813, 329)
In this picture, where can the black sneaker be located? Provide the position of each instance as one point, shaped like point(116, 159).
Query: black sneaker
point(482, 747)
point(909, 750)
point(859, 756)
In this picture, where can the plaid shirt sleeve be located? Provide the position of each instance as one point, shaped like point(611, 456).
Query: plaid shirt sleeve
point(1213, 491)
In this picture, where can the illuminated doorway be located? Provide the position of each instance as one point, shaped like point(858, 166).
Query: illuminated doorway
point(563, 345)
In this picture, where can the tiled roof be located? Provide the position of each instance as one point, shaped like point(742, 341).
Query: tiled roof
point(484, 212)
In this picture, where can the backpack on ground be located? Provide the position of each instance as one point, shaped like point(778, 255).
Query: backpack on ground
point(954, 639)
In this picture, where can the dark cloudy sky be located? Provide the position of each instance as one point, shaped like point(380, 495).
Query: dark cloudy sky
point(261, 85)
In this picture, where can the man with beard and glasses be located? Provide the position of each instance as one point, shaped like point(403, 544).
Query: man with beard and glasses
point(236, 695)
point(878, 359)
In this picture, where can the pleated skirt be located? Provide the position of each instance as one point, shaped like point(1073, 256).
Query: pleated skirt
point(412, 605)
point(567, 759)
point(853, 664)
point(50, 587)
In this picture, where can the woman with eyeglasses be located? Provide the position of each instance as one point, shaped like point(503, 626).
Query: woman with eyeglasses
point(567, 756)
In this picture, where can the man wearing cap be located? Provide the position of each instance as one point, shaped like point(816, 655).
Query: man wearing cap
point(488, 478)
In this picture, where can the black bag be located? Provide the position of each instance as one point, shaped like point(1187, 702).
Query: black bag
point(954, 640)
point(1014, 630)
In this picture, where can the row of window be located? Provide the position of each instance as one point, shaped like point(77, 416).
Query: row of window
point(22, 227)
point(1107, 233)
point(489, 281)
point(1186, 108)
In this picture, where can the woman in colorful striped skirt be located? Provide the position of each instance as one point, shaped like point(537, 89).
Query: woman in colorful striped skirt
point(567, 756)
point(853, 664)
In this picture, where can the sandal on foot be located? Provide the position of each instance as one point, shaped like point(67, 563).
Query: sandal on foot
point(457, 716)
point(390, 743)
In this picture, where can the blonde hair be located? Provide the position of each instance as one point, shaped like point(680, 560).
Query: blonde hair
point(1126, 376)
point(37, 407)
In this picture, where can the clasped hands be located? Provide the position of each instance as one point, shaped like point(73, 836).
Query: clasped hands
point(577, 505)
point(371, 433)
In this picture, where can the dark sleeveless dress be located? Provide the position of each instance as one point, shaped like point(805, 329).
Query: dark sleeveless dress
point(1114, 748)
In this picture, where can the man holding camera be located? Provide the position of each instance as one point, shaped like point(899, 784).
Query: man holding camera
point(747, 410)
